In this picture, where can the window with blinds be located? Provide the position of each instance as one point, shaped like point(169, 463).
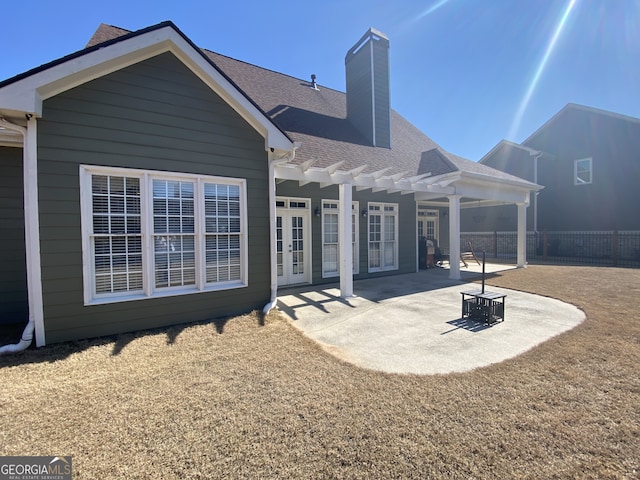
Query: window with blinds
point(222, 232)
point(148, 234)
point(116, 234)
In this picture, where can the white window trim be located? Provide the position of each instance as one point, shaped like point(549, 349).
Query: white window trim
point(355, 208)
point(575, 171)
point(146, 209)
point(396, 214)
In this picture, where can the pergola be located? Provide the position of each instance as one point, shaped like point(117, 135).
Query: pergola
point(456, 190)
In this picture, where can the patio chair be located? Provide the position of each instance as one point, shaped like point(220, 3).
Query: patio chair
point(469, 256)
point(438, 255)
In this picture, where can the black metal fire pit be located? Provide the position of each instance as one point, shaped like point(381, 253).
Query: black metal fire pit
point(482, 306)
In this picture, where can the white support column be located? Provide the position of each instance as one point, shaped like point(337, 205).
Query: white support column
point(345, 233)
point(32, 231)
point(522, 235)
point(454, 237)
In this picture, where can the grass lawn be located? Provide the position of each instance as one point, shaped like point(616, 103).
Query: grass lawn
point(245, 400)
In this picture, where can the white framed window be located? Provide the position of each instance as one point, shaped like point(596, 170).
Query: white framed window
point(582, 171)
point(383, 236)
point(330, 244)
point(148, 234)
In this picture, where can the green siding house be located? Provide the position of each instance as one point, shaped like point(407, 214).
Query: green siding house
point(148, 183)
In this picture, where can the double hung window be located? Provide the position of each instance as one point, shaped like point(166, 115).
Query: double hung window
point(149, 234)
point(582, 171)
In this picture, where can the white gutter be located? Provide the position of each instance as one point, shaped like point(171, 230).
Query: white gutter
point(27, 334)
point(272, 225)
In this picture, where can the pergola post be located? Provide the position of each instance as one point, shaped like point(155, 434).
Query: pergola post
point(522, 236)
point(454, 237)
point(345, 233)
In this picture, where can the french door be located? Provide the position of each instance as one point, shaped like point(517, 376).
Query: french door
point(428, 224)
point(293, 241)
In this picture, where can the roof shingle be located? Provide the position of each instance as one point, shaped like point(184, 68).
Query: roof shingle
point(317, 119)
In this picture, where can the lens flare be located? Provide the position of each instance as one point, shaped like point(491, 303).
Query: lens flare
point(536, 77)
point(432, 9)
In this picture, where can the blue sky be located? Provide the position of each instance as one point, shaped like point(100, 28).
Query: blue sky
point(468, 73)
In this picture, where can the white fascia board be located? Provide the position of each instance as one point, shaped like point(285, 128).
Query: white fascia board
point(10, 140)
point(497, 182)
point(482, 203)
point(506, 143)
point(26, 95)
point(488, 192)
point(8, 143)
point(431, 197)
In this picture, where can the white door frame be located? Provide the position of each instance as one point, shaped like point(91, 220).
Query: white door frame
point(425, 215)
point(288, 211)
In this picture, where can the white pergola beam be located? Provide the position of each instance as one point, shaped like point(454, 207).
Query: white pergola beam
point(425, 187)
point(334, 168)
point(417, 178)
point(356, 171)
point(306, 165)
point(379, 173)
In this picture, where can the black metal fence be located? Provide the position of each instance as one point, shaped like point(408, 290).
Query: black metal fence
point(619, 249)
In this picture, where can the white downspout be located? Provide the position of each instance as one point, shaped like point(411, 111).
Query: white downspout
point(27, 334)
point(25, 340)
point(272, 226)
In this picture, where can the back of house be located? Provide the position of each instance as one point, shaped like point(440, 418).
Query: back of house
point(151, 183)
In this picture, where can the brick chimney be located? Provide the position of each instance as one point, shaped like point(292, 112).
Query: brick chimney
point(368, 92)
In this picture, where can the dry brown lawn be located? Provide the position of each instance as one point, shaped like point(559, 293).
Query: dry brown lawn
point(245, 400)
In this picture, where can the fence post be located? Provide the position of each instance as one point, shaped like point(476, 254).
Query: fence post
point(614, 248)
point(545, 241)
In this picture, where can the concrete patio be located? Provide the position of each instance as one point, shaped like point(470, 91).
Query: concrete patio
point(412, 323)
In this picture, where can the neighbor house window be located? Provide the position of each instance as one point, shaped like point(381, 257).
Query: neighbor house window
point(149, 234)
point(582, 171)
point(383, 236)
point(330, 245)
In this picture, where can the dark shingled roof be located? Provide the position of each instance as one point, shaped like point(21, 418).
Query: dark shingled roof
point(104, 33)
point(317, 119)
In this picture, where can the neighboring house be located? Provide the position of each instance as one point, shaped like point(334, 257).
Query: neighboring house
point(166, 184)
point(588, 162)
